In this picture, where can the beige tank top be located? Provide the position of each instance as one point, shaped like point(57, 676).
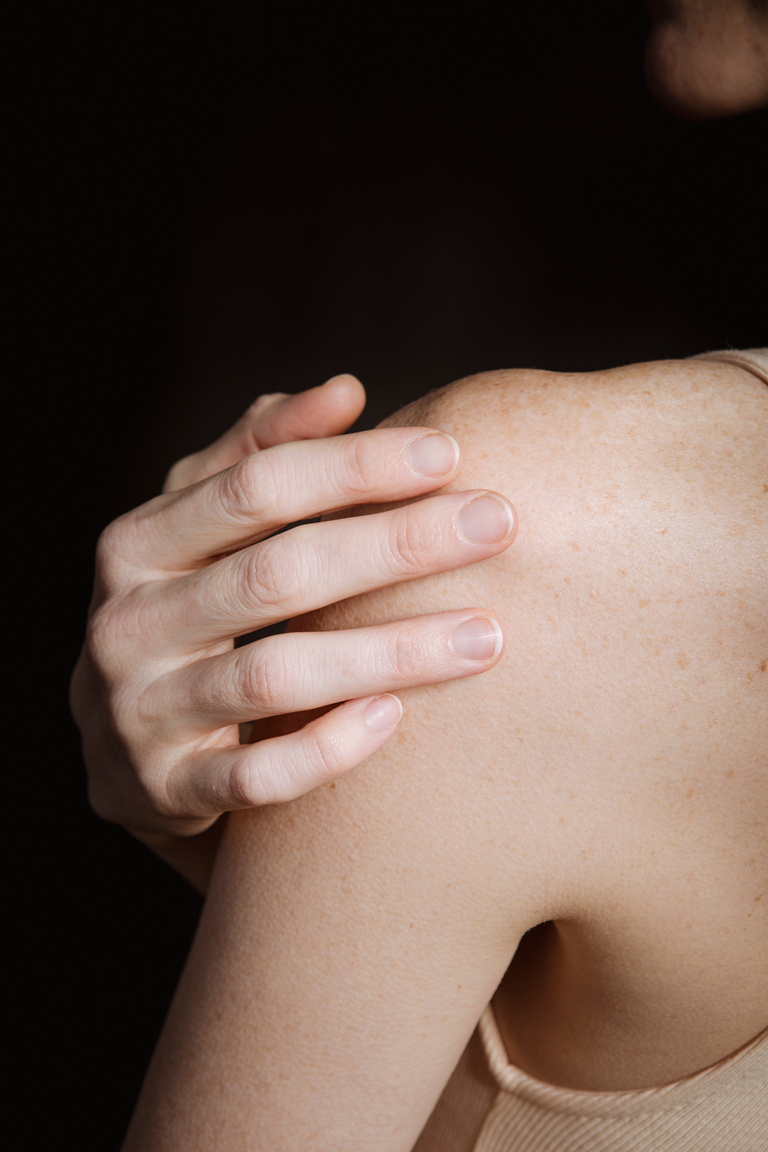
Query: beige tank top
point(488, 1105)
point(755, 360)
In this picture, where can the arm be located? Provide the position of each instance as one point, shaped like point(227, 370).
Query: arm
point(352, 938)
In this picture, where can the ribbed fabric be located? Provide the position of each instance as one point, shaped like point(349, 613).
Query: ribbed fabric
point(753, 359)
point(489, 1105)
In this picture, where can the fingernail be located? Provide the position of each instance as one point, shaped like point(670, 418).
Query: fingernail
point(383, 713)
point(478, 639)
point(433, 455)
point(486, 520)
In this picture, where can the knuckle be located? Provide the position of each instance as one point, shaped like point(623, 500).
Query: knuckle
point(268, 683)
point(358, 466)
point(272, 574)
point(245, 789)
point(113, 544)
point(263, 404)
point(251, 486)
point(165, 797)
point(325, 754)
point(117, 630)
point(405, 656)
point(411, 543)
point(103, 633)
point(183, 473)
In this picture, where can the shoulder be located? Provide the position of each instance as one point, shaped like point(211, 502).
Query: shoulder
point(608, 772)
point(674, 413)
point(635, 603)
point(665, 463)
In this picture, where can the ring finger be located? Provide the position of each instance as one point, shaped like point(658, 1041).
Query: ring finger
point(301, 671)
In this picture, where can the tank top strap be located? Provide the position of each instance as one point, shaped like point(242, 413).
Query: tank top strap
point(755, 360)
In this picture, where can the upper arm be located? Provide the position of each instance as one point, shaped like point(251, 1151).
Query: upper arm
point(352, 937)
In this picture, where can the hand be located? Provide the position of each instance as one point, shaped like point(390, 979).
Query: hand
point(160, 689)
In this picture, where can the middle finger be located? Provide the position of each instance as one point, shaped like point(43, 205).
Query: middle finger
point(313, 565)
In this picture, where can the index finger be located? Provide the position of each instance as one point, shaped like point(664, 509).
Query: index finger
point(283, 484)
point(314, 414)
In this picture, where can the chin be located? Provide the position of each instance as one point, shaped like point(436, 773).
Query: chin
point(713, 69)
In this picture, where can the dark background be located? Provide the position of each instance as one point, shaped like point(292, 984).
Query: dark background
point(223, 198)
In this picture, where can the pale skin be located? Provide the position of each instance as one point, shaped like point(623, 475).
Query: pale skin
point(160, 690)
point(607, 776)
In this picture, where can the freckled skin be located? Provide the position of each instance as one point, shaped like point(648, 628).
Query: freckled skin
point(588, 783)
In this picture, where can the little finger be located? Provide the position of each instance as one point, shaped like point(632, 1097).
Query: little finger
point(284, 767)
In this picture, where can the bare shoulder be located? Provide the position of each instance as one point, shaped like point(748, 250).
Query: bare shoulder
point(674, 416)
point(619, 752)
point(636, 594)
point(631, 704)
point(654, 472)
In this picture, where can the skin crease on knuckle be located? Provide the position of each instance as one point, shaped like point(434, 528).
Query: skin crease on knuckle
point(413, 541)
point(273, 575)
point(253, 489)
point(269, 684)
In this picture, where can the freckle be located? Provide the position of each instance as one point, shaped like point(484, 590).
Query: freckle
point(644, 603)
point(562, 819)
point(332, 786)
point(683, 661)
point(729, 773)
point(758, 898)
point(765, 487)
point(576, 547)
point(664, 530)
point(763, 665)
point(622, 571)
point(689, 794)
point(720, 592)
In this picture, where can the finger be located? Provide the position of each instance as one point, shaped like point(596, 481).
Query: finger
point(275, 419)
point(300, 671)
point(318, 564)
point(317, 413)
point(284, 767)
point(283, 484)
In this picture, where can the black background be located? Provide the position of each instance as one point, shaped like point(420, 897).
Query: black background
point(222, 198)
